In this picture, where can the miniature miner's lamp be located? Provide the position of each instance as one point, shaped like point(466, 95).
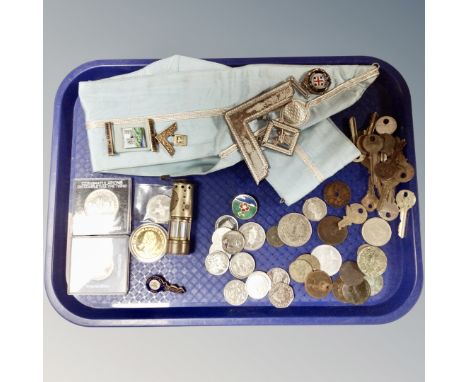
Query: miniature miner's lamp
point(181, 218)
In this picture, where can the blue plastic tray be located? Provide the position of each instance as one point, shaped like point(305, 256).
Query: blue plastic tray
point(203, 304)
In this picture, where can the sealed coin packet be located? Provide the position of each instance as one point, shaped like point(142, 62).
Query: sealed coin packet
point(101, 206)
point(99, 265)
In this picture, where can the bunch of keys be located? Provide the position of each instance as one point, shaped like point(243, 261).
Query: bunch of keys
point(156, 284)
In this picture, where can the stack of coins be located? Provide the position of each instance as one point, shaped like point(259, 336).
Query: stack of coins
point(227, 252)
point(355, 282)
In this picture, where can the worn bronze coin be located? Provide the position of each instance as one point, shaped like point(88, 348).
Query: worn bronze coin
point(329, 232)
point(357, 294)
point(337, 194)
point(350, 273)
point(273, 238)
point(337, 290)
point(318, 284)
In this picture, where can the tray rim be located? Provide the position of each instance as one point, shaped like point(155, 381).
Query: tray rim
point(391, 316)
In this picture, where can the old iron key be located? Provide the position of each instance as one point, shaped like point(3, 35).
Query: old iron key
point(157, 283)
point(405, 200)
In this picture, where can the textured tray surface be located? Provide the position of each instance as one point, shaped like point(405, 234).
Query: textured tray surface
point(203, 303)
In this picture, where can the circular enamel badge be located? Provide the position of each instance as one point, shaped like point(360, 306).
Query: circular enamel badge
point(244, 206)
point(316, 81)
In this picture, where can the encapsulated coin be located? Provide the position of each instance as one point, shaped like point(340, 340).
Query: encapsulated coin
point(337, 290)
point(235, 292)
point(357, 294)
point(294, 229)
point(258, 285)
point(217, 263)
point(148, 242)
point(254, 236)
point(101, 202)
point(318, 284)
point(311, 259)
point(314, 209)
point(329, 258)
point(299, 269)
point(281, 295)
point(233, 242)
point(272, 237)
point(329, 232)
point(227, 221)
point(350, 273)
point(158, 209)
point(337, 194)
point(278, 275)
point(242, 264)
point(376, 284)
point(376, 231)
point(218, 234)
point(244, 206)
point(372, 261)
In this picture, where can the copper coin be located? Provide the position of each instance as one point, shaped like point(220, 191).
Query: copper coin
point(318, 284)
point(357, 294)
point(337, 290)
point(329, 232)
point(337, 194)
point(350, 273)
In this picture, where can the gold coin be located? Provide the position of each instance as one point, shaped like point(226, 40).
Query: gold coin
point(148, 243)
point(318, 284)
point(299, 269)
point(312, 260)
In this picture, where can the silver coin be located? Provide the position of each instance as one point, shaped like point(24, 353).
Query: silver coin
point(281, 295)
point(278, 275)
point(158, 209)
point(299, 269)
point(227, 221)
point(329, 258)
point(242, 265)
point(376, 284)
point(233, 242)
point(235, 292)
point(254, 236)
point(218, 246)
point(258, 285)
point(314, 209)
point(372, 261)
point(218, 234)
point(376, 231)
point(101, 202)
point(217, 263)
point(294, 229)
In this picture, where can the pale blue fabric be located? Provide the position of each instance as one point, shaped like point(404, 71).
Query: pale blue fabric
point(181, 84)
